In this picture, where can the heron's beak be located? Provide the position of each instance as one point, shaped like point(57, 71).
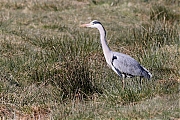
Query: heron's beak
point(85, 25)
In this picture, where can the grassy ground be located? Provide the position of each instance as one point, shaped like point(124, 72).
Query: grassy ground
point(50, 68)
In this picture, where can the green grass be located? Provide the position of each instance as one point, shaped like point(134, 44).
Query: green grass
point(50, 68)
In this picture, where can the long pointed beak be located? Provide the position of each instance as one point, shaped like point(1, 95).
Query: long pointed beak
point(85, 25)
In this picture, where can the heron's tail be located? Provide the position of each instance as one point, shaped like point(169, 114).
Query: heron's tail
point(146, 73)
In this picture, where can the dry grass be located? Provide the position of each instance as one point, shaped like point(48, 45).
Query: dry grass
point(52, 69)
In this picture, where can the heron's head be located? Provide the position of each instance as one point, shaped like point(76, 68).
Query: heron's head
point(92, 24)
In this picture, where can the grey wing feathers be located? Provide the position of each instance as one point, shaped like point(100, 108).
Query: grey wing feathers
point(128, 65)
point(146, 73)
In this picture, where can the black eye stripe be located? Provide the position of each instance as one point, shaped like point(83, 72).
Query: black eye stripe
point(97, 22)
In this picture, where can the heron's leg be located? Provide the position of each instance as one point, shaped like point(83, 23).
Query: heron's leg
point(140, 82)
point(123, 83)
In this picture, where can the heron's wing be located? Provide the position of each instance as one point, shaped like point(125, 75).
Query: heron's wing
point(125, 64)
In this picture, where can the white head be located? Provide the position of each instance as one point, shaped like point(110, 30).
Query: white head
point(92, 24)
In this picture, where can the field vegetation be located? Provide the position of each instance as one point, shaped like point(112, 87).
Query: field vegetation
point(50, 68)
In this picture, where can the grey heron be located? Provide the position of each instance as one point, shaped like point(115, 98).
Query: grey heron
point(122, 64)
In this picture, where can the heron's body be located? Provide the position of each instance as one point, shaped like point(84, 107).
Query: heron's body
point(129, 67)
point(121, 64)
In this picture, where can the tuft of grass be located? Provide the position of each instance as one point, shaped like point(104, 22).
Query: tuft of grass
point(163, 13)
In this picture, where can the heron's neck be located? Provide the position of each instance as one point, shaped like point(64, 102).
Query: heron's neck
point(105, 47)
